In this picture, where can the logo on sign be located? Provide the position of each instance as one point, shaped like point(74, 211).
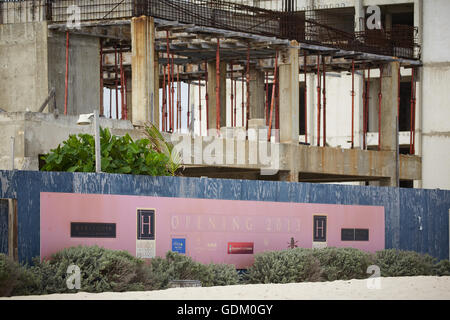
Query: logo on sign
point(240, 247)
point(179, 245)
point(146, 224)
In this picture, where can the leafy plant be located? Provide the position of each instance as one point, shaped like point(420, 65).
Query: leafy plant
point(398, 263)
point(16, 279)
point(118, 155)
point(159, 144)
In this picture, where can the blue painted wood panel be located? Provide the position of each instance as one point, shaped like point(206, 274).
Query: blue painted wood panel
point(416, 219)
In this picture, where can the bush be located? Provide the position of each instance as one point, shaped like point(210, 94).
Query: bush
point(343, 263)
point(101, 270)
point(179, 267)
point(292, 265)
point(16, 279)
point(398, 263)
point(118, 155)
point(442, 268)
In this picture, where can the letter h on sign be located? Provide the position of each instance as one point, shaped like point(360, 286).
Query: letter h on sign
point(320, 229)
point(145, 224)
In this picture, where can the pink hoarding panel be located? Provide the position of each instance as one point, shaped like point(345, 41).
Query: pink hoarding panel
point(203, 228)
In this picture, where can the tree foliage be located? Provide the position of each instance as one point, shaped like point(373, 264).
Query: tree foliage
point(118, 155)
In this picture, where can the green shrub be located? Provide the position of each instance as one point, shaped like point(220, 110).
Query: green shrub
point(118, 155)
point(16, 279)
point(179, 267)
point(292, 265)
point(101, 270)
point(442, 268)
point(398, 263)
point(343, 263)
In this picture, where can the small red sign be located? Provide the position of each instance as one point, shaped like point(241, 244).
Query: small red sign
point(240, 247)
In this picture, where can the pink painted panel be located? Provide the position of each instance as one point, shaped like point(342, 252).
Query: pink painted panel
point(208, 225)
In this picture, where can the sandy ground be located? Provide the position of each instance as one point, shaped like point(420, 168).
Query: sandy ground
point(420, 288)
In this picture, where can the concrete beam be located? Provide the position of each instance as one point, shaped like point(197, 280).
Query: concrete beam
point(144, 64)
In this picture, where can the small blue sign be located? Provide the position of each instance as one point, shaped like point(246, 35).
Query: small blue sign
point(179, 245)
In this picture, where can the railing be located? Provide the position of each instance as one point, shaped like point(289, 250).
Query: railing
point(328, 27)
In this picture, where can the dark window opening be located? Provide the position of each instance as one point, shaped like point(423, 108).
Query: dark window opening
point(406, 184)
point(302, 110)
point(405, 107)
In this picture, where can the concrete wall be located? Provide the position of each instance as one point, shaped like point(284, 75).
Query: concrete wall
point(435, 95)
point(84, 72)
point(37, 133)
point(23, 66)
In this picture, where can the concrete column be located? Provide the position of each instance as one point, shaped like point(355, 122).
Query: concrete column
point(289, 94)
point(389, 102)
point(418, 9)
point(388, 130)
point(359, 15)
point(257, 94)
point(145, 101)
point(212, 94)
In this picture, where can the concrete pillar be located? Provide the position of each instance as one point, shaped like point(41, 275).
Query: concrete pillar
point(388, 130)
point(389, 102)
point(418, 9)
point(257, 94)
point(212, 94)
point(289, 94)
point(145, 100)
point(359, 15)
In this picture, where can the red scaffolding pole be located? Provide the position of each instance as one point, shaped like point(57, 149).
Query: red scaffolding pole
point(122, 104)
point(380, 98)
point(353, 103)
point(306, 99)
point(169, 106)
point(164, 101)
point(178, 99)
point(116, 81)
point(66, 89)
point(101, 76)
point(200, 104)
point(266, 111)
point(413, 114)
point(232, 94)
point(318, 100)
point(242, 99)
point(248, 87)
point(218, 87)
point(172, 83)
point(188, 107)
point(206, 96)
point(324, 91)
point(235, 103)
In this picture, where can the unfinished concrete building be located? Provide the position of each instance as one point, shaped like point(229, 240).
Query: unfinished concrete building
point(330, 92)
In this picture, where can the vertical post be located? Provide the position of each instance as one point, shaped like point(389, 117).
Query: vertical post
point(168, 80)
point(380, 100)
point(269, 133)
point(98, 161)
point(122, 101)
point(232, 94)
point(101, 76)
point(242, 99)
point(116, 81)
point(172, 90)
point(266, 111)
point(66, 89)
point(318, 101)
point(248, 87)
point(324, 102)
point(206, 96)
point(200, 105)
point(306, 97)
point(218, 87)
point(12, 152)
point(188, 107)
point(412, 116)
point(12, 229)
point(164, 101)
point(178, 99)
point(353, 102)
point(235, 103)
